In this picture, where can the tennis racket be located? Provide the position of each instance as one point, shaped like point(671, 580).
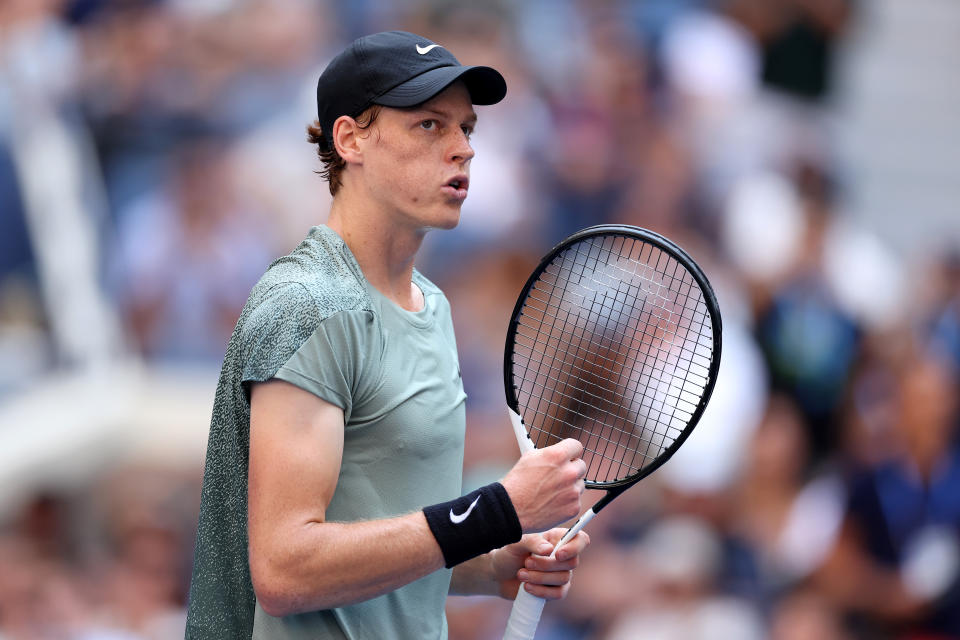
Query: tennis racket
point(615, 341)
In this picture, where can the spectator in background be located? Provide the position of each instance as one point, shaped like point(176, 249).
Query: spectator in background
point(156, 73)
point(897, 563)
point(188, 255)
point(709, 65)
point(599, 112)
point(809, 339)
point(784, 519)
point(125, 80)
point(108, 563)
point(145, 565)
point(798, 38)
point(682, 558)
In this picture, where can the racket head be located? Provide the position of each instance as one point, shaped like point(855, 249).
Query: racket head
point(615, 340)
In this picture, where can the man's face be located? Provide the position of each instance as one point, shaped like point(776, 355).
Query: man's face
point(416, 162)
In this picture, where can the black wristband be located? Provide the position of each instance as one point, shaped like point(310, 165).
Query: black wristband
point(474, 524)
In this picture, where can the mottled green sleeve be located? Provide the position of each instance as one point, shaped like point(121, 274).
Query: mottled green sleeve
point(274, 324)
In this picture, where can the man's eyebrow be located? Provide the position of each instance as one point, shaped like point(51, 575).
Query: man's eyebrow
point(470, 119)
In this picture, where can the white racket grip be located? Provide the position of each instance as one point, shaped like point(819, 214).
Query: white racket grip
point(523, 440)
point(527, 608)
point(524, 617)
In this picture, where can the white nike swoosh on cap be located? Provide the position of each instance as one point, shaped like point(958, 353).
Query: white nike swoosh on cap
point(423, 50)
point(457, 519)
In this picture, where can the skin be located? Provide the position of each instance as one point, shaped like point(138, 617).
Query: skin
point(395, 188)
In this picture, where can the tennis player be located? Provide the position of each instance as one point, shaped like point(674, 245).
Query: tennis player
point(330, 503)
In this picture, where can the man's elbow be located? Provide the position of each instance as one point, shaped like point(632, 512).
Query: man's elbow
point(274, 595)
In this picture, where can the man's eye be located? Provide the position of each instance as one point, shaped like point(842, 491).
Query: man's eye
point(467, 131)
point(428, 125)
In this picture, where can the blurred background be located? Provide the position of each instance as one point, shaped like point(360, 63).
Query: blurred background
point(153, 161)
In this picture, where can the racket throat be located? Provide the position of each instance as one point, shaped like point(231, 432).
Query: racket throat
point(575, 529)
point(610, 495)
point(588, 516)
point(520, 431)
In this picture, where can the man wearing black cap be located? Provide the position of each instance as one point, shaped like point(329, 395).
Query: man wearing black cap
point(329, 505)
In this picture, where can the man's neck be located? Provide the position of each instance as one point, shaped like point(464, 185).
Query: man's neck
point(384, 250)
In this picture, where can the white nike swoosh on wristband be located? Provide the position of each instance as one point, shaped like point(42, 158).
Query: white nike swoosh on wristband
point(457, 519)
point(423, 50)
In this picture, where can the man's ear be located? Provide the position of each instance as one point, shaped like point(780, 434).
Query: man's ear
point(346, 139)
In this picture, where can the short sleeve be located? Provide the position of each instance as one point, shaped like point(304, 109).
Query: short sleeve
point(273, 330)
point(333, 360)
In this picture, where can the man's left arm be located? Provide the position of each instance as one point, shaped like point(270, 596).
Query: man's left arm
point(503, 570)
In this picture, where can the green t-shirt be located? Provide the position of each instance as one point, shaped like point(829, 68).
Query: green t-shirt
point(314, 321)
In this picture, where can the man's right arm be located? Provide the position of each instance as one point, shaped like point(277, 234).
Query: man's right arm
point(300, 562)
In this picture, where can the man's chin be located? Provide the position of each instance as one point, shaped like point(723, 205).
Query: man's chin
point(446, 226)
point(448, 222)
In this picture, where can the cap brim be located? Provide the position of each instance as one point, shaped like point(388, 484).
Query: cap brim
point(485, 84)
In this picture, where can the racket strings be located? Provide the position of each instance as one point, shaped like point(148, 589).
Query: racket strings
point(692, 304)
point(620, 436)
point(624, 334)
point(613, 347)
point(647, 368)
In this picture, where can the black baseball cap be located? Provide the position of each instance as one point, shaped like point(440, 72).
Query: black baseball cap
point(396, 69)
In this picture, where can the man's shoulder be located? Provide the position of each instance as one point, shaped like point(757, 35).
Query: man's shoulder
point(298, 293)
point(317, 280)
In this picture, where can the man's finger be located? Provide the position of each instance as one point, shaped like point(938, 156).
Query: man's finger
point(540, 563)
point(532, 543)
point(575, 448)
point(570, 447)
point(578, 542)
point(574, 547)
point(550, 578)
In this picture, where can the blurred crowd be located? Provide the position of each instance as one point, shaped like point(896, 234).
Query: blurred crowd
point(153, 162)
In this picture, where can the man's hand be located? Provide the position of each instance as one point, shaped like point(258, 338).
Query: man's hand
point(545, 485)
point(527, 562)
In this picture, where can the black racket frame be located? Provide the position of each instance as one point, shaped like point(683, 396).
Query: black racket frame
point(650, 237)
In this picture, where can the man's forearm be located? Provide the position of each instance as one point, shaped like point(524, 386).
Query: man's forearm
point(321, 565)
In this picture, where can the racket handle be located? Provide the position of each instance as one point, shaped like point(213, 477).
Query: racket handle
point(524, 617)
point(527, 608)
